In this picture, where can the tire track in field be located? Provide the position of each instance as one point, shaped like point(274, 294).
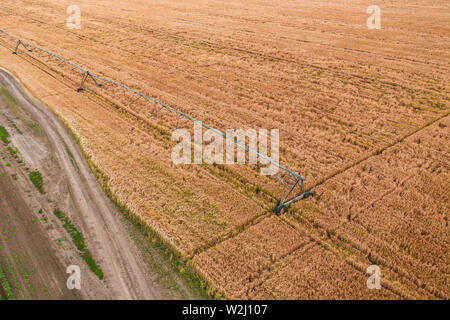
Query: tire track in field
point(187, 42)
point(377, 152)
point(260, 278)
point(312, 43)
point(335, 247)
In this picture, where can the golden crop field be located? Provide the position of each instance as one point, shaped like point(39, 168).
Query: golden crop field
point(363, 113)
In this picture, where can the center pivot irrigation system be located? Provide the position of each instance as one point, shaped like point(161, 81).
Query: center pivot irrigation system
point(293, 189)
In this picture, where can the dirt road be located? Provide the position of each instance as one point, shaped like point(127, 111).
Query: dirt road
point(71, 186)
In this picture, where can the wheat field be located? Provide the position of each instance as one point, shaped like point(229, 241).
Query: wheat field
point(363, 113)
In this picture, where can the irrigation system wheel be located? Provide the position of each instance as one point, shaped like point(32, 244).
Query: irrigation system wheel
point(281, 209)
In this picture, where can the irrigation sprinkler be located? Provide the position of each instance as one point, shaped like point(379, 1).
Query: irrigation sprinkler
point(289, 195)
point(293, 188)
point(87, 75)
point(16, 50)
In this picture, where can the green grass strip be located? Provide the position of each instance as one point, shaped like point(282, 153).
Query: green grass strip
point(13, 151)
point(8, 96)
point(72, 158)
point(5, 285)
point(78, 240)
point(37, 180)
point(4, 134)
point(13, 275)
point(24, 274)
point(15, 127)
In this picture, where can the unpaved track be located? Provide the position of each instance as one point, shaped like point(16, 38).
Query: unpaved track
point(29, 243)
point(126, 274)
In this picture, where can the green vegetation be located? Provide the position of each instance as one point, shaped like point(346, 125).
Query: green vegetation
point(166, 251)
point(5, 285)
point(185, 269)
point(71, 157)
point(4, 134)
point(13, 151)
point(78, 240)
point(36, 178)
point(35, 128)
point(13, 275)
point(15, 127)
point(5, 93)
point(25, 275)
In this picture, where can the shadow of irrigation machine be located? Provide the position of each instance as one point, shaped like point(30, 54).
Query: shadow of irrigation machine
point(293, 188)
